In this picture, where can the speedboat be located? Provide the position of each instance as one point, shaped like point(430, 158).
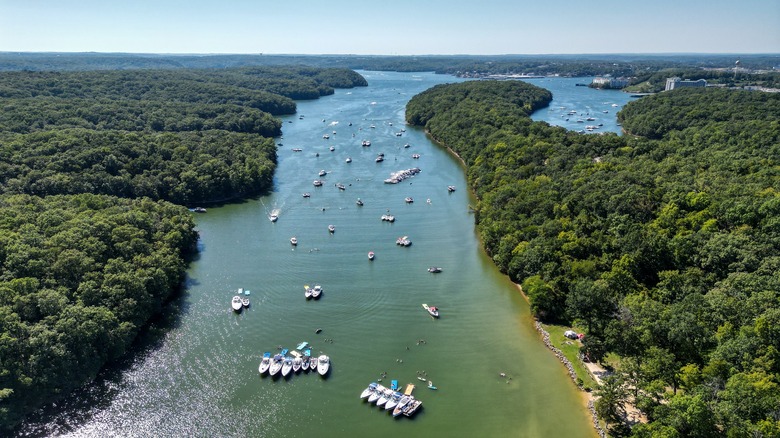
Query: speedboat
point(433, 310)
point(198, 210)
point(297, 149)
point(407, 146)
point(323, 172)
point(366, 392)
point(323, 364)
point(393, 401)
point(359, 202)
point(236, 304)
point(307, 195)
point(386, 395)
point(313, 363)
point(409, 199)
point(273, 217)
point(415, 156)
point(379, 159)
point(348, 160)
point(245, 301)
point(412, 407)
point(388, 217)
point(331, 149)
point(305, 363)
point(287, 366)
point(450, 189)
point(341, 186)
point(265, 363)
point(326, 136)
point(366, 143)
point(399, 408)
point(296, 365)
point(317, 183)
point(276, 364)
point(434, 269)
point(403, 241)
point(332, 228)
point(316, 291)
point(307, 291)
point(378, 391)
point(293, 240)
point(371, 255)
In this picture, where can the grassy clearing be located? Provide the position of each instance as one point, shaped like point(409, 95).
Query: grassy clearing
point(570, 349)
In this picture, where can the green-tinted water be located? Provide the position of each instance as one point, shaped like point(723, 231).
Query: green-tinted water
point(200, 378)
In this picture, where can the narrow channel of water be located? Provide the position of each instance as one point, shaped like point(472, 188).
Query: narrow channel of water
point(200, 377)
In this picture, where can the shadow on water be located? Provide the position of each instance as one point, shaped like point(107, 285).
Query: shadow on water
point(80, 406)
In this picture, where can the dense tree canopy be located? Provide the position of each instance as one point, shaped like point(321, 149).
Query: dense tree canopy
point(79, 275)
point(667, 250)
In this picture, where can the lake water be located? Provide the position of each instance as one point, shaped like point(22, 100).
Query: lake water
point(195, 372)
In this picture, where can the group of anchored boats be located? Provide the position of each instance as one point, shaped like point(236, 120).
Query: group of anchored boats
point(240, 301)
point(392, 400)
point(288, 362)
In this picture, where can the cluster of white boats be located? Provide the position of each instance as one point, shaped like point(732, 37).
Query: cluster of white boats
point(312, 292)
point(392, 400)
point(401, 175)
point(239, 302)
point(283, 364)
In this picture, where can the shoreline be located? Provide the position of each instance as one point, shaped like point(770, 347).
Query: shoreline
point(587, 397)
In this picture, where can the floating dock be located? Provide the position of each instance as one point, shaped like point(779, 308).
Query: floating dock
point(409, 389)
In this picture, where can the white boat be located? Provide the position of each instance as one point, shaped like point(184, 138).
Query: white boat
point(450, 189)
point(348, 160)
point(325, 136)
point(297, 149)
point(366, 392)
point(276, 364)
point(313, 363)
point(403, 241)
point(316, 292)
point(415, 156)
point(388, 217)
point(409, 199)
point(296, 365)
point(273, 217)
point(432, 310)
point(399, 408)
point(331, 148)
point(386, 395)
point(317, 183)
point(332, 228)
point(323, 364)
point(359, 202)
point(293, 240)
point(394, 399)
point(323, 172)
point(407, 146)
point(412, 407)
point(307, 195)
point(379, 159)
point(371, 255)
point(305, 363)
point(265, 364)
point(434, 269)
point(245, 302)
point(307, 291)
point(341, 186)
point(287, 366)
point(366, 143)
point(374, 396)
point(236, 304)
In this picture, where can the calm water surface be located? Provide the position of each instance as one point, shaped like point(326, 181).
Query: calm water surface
point(197, 373)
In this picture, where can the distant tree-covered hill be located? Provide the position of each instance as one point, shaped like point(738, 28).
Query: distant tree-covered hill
point(666, 251)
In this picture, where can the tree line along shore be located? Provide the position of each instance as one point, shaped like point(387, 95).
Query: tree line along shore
point(662, 245)
point(96, 171)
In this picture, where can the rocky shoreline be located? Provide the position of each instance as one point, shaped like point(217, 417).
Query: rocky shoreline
point(572, 374)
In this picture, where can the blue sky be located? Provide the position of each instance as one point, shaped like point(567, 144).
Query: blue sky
point(399, 27)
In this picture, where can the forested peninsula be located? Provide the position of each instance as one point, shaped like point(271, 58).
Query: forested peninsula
point(663, 246)
point(96, 169)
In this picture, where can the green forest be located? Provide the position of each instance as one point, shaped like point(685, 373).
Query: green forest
point(96, 171)
point(663, 246)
